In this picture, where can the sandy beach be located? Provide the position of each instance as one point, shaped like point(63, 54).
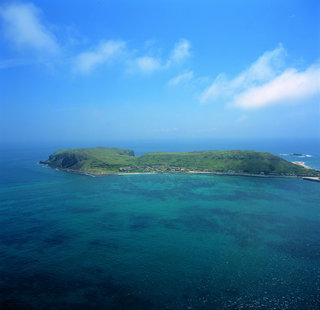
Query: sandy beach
point(301, 163)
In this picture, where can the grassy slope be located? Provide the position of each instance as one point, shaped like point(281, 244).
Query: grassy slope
point(107, 160)
point(92, 160)
point(223, 161)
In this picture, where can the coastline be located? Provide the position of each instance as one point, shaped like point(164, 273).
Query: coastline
point(193, 172)
point(100, 161)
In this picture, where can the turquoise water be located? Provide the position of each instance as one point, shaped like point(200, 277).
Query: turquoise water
point(71, 241)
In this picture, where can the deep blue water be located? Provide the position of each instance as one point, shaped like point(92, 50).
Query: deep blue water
point(71, 241)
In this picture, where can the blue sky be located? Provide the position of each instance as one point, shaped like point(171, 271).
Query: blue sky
point(127, 70)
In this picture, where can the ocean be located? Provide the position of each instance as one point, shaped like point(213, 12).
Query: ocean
point(160, 241)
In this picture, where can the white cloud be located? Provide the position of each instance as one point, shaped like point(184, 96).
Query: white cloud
point(290, 86)
point(265, 68)
point(184, 77)
point(104, 52)
point(23, 27)
point(181, 51)
point(265, 82)
point(150, 64)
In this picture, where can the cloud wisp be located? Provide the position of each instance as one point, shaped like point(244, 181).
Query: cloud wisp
point(147, 64)
point(105, 52)
point(181, 78)
point(180, 52)
point(109, 51)
point(24, 28)
point(150, 64)
point(267, 81)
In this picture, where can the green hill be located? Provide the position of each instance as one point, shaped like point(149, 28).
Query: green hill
point(102, 160)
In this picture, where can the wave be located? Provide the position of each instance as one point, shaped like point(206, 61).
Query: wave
point(296, 155)
point(90, 175)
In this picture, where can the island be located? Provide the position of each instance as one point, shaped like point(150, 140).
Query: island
point(104, 161)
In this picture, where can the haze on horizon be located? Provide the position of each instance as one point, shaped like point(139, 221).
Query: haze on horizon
point(85, 70)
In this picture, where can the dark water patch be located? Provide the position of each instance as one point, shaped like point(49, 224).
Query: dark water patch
point(199, 222)
point(258, 195)
point(19, 235)
point(247, 229)
point(234, 196)
point(83, 209)
point(6, 212)
point(203, 183)
point(93, 244)
point(256, 223)
point(131, 301)
point(186, 191)
point(182, 189)
point(109, 294)
point(300, 238)
point(24, 232)
point(35, 231)
point(42, 290)
point(13, 304)
point(32, 236)
point(296, 227)
point(243, 237)
point(33, 285)
point(300, 248)
point(16, 239)
point(57, 239)
point(147, 190)
point(154, 194)
point(308, 200)
point(109, 215)
point(174, 223)
point(221, 212)
point(110, 221)
point(13, 262)
point(140, 222)
point(238, 195)
point(191, 219)
point(146, 193)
